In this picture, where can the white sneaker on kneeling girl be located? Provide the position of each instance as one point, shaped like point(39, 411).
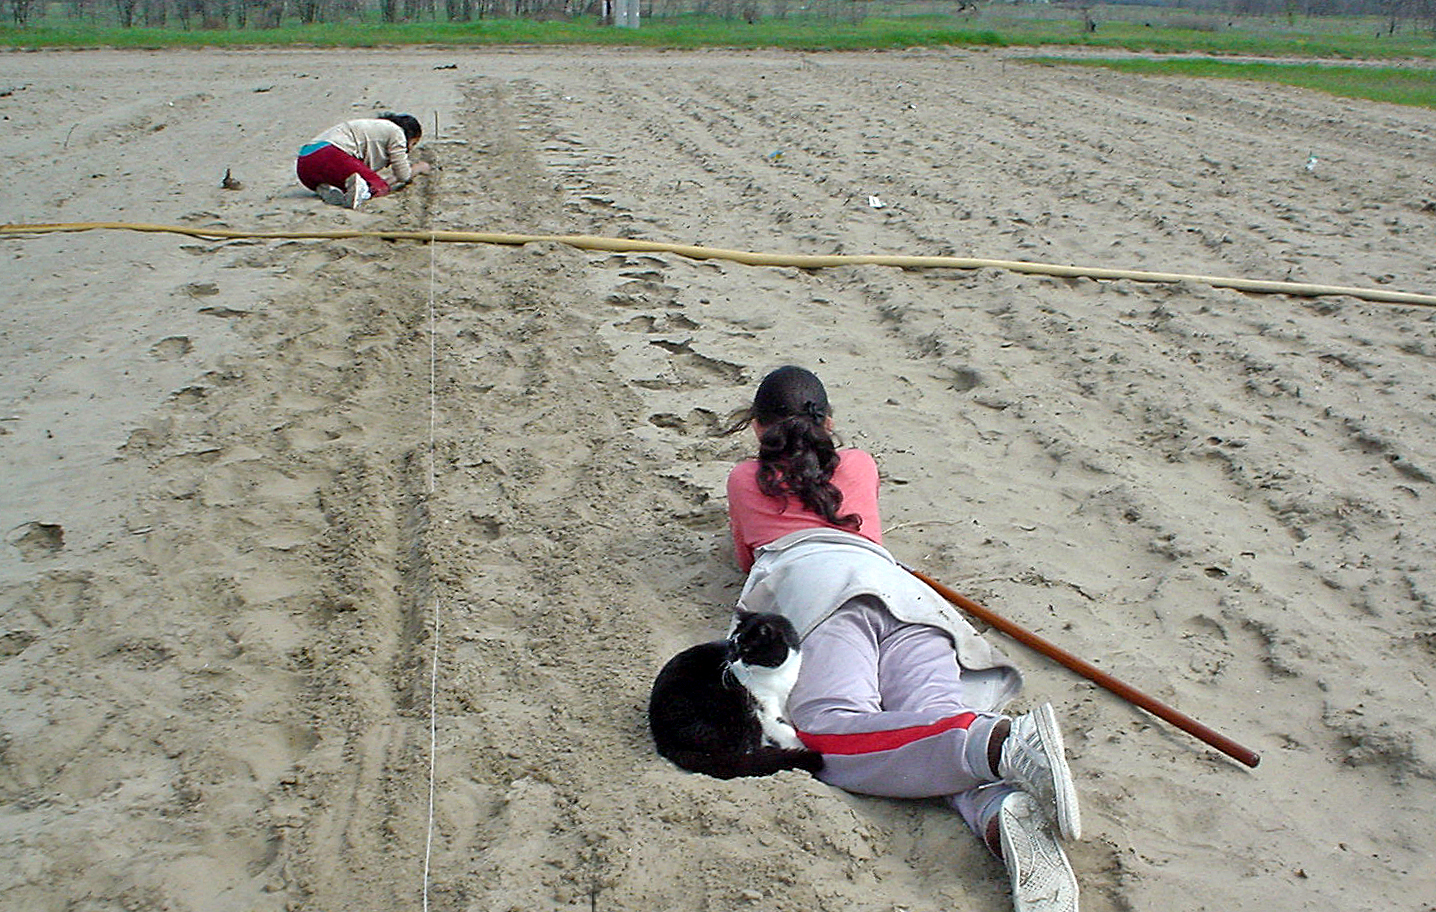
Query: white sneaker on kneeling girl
point(356, 191)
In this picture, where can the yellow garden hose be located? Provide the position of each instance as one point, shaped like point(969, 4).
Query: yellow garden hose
point(800, 261)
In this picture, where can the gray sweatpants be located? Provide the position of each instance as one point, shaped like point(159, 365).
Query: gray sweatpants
point(882, 700)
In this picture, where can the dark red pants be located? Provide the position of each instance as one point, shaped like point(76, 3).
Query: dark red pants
point(332, 165)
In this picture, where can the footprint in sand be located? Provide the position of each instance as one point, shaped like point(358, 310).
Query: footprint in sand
point(190, 395)
point(15, 642)
point(172, 348)
point(698, 423)
point(37, 540)
point(660, 323)
point(694, 369)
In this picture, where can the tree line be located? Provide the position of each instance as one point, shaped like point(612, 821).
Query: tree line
point(265, 14)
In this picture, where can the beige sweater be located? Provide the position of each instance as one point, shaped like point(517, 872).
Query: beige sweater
point(377, 143)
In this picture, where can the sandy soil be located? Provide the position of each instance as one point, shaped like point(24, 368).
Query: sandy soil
point(257, 492)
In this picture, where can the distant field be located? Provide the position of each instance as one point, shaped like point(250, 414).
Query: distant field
point(812, 27)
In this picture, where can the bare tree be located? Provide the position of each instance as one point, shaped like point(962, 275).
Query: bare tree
point(267, 14)
point(1394, 12)
point(20, 11)
point(1424, 12)
point(1089, 23)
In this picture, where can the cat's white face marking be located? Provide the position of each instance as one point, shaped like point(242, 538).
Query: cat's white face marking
point(770, 688)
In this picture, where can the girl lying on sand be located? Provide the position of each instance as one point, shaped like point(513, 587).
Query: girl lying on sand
point(896, 691)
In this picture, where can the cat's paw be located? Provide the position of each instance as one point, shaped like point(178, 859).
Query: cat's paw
point(783, 735)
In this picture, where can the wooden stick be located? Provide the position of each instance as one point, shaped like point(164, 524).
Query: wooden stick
point(1094, 674)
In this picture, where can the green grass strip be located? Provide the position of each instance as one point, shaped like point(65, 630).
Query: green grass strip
point(1340, 39)
point(1393, 85)
point(679, 33)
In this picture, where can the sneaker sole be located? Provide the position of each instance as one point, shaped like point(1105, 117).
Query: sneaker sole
point(1069, 818)
point(1042, 877)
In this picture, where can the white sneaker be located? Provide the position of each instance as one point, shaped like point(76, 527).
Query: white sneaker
point(1034, 761)
point(330, 194)
point(1042, 878)
point(356, 191)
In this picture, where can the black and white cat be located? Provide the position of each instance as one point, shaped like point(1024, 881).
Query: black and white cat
point(718, 708)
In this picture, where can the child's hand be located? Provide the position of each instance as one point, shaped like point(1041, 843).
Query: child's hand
point(419, 167)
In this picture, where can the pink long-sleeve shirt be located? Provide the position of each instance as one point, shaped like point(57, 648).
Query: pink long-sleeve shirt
point(757, 519)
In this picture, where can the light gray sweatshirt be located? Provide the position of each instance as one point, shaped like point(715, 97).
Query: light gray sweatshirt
point(807, 575)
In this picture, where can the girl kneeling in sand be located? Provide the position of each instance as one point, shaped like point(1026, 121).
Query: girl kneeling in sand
point(342, 163)
point(896, 690)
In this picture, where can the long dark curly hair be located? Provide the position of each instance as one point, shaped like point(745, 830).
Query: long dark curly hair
point(797, 454)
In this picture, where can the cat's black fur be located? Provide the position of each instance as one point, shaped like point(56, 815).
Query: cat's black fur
point(706, 721)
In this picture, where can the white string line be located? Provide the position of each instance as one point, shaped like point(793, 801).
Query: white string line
point(434, 663)
point(433, 360)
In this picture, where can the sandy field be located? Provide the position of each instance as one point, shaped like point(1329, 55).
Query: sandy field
point(288, 524)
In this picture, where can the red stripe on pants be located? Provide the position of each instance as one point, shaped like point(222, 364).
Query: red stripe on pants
point(872, 742)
